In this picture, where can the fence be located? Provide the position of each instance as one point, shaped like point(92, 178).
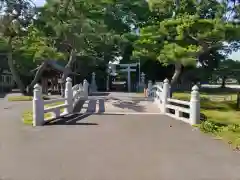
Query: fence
point(187, 111)
point(72, 94)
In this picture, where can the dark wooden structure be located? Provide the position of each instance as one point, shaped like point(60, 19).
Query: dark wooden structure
point(6, 78)
point(51, 76)
point(238, 100)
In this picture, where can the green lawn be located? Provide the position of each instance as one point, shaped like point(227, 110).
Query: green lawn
point(20, 98)
point(223, 117)
point(23, 98)
point(28, 114)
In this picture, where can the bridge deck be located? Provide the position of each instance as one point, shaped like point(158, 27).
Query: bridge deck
point(118, 103)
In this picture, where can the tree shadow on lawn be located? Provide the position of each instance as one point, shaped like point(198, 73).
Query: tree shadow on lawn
point(215, 91)
point(208, 104)
point(219, 106)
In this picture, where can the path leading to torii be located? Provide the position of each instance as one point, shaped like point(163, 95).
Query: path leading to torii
point(118, 103)
point(110, 147)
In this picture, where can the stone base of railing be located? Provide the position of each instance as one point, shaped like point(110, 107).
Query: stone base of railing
point(173, 107)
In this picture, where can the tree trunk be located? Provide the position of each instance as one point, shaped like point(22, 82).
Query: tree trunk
point(177, 73)
point(238, 100)
point(224, 78)
point(68, 67)
point(15, 74)
point(37, 77)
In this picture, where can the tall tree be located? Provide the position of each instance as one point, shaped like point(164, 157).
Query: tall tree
point(15, 17)
point(194, 32)
point(33, 50)
point(81, 28)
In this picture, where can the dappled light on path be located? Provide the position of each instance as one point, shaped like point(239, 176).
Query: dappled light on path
point(110, 104)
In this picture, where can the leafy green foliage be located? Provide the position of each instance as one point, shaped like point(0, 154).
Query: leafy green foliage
point(194, 33)
point(80, 25)
point(171, 31)
point(210, 127)
point(15, 17)
point(30, 51)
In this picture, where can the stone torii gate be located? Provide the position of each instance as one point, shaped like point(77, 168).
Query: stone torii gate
point(125, 68)
point(128, 69)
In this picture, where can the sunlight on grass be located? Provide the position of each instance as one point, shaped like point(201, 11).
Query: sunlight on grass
point(24, 98)
point(20, 98)
point(223, 116)
point(28, 115)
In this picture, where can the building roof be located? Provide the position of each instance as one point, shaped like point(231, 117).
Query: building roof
point(55, 66)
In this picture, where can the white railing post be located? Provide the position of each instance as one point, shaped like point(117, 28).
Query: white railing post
point(80, 90)
point(80, 87)
point(85, 89)
point(169, 91)
point(149, 88)
point(93, 85)
point(195, 106)
point(38, 106)
point(68, 96)
point(142, 78)
point(142, 83)
point(165, 94)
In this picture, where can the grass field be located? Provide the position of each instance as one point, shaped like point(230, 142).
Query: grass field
point(223, 117)
point(23, 98)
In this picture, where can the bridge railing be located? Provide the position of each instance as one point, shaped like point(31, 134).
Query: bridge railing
point(72, 95)
point(187, 111)
point(156, 92)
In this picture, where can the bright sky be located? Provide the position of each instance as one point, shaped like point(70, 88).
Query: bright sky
point(39, 2)
point(235, 55)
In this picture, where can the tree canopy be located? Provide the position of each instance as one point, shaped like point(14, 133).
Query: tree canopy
point(195, 32)
point(179, 32)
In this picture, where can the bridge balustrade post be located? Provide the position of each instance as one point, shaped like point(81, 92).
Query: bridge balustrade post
point(165, 95)
point(68, 96)
point(38, 106)
point(195, 106)
point(85, 89)
point(169, 91)
point(80, 87)
point(149, 88)
point(93, 85)
point(142, 83)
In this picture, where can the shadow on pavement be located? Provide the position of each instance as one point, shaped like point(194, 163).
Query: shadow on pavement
point(78, 106)
point(70, 120)
point(91, 106)
point(110, 104)
point(2, 95)
point(100, 94)
point(101, 106)
point(134, 105)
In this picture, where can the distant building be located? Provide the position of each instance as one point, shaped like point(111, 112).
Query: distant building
point(6, 78)
point(50, 79)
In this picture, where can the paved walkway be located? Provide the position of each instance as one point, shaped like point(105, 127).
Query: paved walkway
point(111, 147)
